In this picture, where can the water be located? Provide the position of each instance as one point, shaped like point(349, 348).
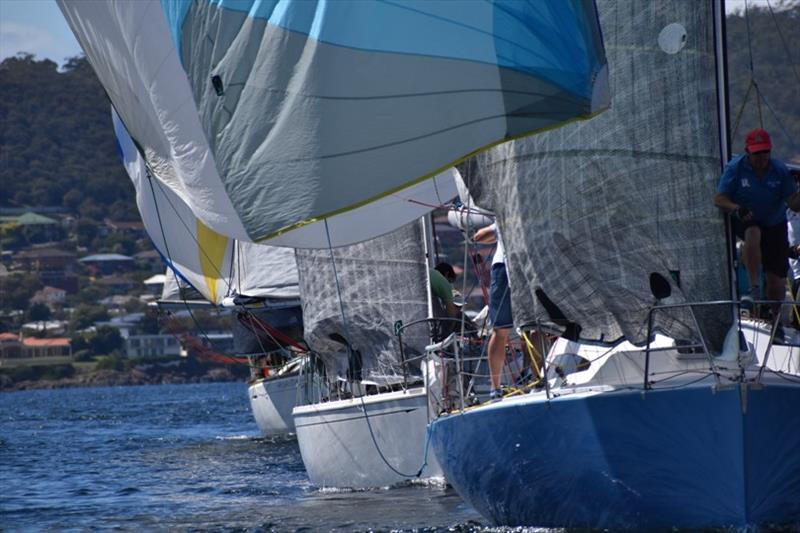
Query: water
point(182, 457)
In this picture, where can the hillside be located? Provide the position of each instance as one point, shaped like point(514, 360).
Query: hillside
point(57, 147)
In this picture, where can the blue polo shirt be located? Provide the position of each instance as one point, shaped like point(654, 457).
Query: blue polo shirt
point(766, 196)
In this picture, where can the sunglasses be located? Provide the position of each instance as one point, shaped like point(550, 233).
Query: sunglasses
point(761, 152)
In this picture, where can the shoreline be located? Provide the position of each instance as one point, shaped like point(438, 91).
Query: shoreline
point(120, 378)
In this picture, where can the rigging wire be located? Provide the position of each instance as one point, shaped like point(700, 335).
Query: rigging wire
point(350, 355)
point(149, 175)
point(783, 41)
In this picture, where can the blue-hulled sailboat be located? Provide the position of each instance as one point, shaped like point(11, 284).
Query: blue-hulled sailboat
point(661, 407)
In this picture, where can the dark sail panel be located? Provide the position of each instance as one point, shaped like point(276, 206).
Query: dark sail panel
point(590, 212)
point(381, 281)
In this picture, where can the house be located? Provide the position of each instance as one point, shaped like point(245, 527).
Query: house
point(49, 326)
point(37, 227)
point(155, 284)
point(131, 228)
point(52, 297)
point(53, 347)
point(107, 264)
point(10, 346)
point(53, 267)
point(25, 350)
point(152, 345)
point(117, 283)
point(45, 260)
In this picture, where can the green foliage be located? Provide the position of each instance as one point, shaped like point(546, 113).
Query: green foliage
point(38, 311)
point(776, 70)
point(58, 146)
point(85, 315)
point(17, 289)
point(110, 362)
point(33, 373)
point(105, 341)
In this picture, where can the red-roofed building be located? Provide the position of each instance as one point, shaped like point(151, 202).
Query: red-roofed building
point(10, 346)
point(55, 347)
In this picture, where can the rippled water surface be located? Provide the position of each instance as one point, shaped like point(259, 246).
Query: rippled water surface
point(180, 457)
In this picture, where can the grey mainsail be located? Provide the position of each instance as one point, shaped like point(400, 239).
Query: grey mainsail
point(590, 211)
point(381, 281)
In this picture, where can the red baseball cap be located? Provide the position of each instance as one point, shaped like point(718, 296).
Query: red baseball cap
point(757, 141)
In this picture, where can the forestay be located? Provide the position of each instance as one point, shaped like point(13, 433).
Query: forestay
point(589, 211)
point(265, 116)
point(381, 281)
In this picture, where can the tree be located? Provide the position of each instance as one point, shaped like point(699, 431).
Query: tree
point(85, 315)
point(18, 290)
point(105, 340)
point(73, 199)
point(38, 312)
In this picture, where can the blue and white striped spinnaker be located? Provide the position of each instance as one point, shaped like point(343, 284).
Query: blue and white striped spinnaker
point(268, 115)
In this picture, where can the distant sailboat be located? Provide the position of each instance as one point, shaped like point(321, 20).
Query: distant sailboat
point(676, 415)
point(258, 281)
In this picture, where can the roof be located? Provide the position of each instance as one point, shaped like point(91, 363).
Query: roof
point(125, 224)
point(114, 280)
point(30, 218)
point(157, 279)
point(51, 290)
point(148, 254)
point(105, 257)
point(56, 341)
point(44, 252)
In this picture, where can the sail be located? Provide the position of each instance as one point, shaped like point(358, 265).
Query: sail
point(261, 271)
point(380, 282)
point(213, 264)
point(171, 289)
point(265, 116)
point(589, 212)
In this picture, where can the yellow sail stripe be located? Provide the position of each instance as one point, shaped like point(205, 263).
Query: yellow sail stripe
point(212, 247)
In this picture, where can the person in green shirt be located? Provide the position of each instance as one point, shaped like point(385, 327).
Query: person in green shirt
point(441, 278)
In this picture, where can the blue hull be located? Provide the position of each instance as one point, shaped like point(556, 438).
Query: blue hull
point(686, 458)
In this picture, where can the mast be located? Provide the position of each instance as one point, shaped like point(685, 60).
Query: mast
point(721, 61)
point(428, 246)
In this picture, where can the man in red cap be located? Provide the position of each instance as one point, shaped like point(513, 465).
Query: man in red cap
point(755, 189)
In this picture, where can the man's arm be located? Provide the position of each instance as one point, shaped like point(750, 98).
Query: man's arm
point(724, 202)
point(485, 235)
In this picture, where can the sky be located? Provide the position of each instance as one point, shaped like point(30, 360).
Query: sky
point(37, 27)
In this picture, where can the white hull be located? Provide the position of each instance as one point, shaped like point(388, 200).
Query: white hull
point(272, 401)
point(341, 447)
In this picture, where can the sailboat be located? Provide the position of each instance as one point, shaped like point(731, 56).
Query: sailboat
point(661, 406)
point(258, 282)
point(319, 125)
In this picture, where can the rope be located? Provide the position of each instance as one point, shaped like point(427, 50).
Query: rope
point(533, 353)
